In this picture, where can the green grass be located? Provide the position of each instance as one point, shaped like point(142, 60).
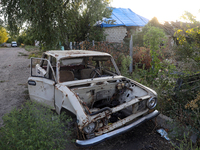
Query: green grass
point(22, 54)
point(34, 51)
point(31, 48)
point(34, 127)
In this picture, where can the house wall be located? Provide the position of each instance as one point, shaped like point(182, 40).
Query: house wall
point(115, 34)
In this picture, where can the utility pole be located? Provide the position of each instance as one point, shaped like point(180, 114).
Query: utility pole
point(131, 55)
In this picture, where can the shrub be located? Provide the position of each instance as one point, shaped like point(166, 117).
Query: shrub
point(33, 127)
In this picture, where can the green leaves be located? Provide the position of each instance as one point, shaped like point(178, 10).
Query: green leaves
point(32, 127)
point(153, 39)
point(3, 35)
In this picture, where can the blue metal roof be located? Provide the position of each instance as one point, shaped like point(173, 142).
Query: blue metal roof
point(124, 17)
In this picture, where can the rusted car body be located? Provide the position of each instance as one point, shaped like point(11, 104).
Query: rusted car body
point(89, 85)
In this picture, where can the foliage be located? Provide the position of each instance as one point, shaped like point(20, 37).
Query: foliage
point(3, 35)
point(85, 15)
point(125, 63)
point(10, 40)
point(188, 38)
point(162, 78)
point(153, 39)
point(26, 37)
point(33, 127)
point(138, 37)
point(33, 51)
point(30, 48)
point(56, 21)
point(193, 109)
point(154, 22)
point(141, 56)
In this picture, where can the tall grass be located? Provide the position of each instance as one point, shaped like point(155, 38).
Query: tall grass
point(34, 127)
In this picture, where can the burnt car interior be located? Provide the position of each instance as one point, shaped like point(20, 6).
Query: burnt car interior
point(86, 68)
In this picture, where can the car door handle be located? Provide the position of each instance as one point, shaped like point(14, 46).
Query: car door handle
point(32, 82)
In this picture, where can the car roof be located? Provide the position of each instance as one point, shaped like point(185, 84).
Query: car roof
point(59, 54)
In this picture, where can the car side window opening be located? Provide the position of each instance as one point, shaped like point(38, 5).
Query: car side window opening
point(44, 69)
point(53, 62)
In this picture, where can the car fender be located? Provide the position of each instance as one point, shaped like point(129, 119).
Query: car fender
point(67, 99)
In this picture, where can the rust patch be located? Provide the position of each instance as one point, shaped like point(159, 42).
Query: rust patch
point(62, 102)
point(76, 95)
point(129, 89)
point(85, 123)
point(66, 95)
point(86, 107)
point(96, 118)
point(99, 83)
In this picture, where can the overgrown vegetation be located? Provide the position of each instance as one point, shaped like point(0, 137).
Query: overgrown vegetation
point(188, 49)
point(34, 127)
point(34, 51)
point(177, 87)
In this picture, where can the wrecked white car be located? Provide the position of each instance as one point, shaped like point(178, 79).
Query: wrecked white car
point(89, 85)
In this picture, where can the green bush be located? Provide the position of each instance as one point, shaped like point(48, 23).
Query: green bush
point(33, 127)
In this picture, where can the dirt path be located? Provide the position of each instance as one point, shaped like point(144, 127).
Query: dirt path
point(14, 72)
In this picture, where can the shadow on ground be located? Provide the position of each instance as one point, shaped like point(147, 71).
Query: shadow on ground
point(143, 137)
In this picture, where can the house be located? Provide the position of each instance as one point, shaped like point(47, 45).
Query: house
point(125, 22)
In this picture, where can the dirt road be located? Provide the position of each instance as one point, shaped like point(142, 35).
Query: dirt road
point(14, 71)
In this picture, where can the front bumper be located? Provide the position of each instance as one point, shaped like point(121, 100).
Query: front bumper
point(111, 134)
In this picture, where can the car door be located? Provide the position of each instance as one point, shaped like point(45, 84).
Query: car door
point(41, 84)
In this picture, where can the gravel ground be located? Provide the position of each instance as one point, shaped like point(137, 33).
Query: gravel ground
point(14, 72)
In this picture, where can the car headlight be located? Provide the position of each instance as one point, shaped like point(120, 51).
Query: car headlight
point(89, 128)
point(152, 102)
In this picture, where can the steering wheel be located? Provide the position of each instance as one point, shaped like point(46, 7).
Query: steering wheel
point(96, 72)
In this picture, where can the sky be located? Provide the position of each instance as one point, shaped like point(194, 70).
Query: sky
point(164, 10)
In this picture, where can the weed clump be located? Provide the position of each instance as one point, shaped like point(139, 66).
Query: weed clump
point(34, 127)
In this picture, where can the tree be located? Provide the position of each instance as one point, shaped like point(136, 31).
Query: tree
point(139, 36)
point(54, 21)
point(188, 38)
point(26, 37)
point(154, 22)
point(3, 35)
point(154, 39)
